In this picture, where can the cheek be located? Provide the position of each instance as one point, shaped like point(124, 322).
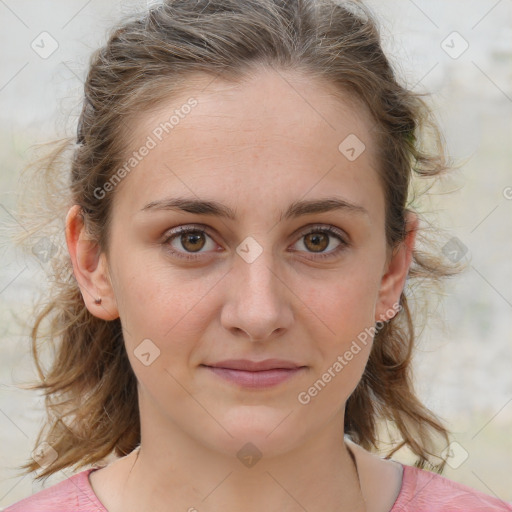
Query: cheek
point(162, 304)
point(347, 309)
point(345, 304)
point(161, 327)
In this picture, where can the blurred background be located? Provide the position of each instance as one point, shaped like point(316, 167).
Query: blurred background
point(461, 53)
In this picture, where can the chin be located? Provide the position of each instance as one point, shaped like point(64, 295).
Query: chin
point(269, 431)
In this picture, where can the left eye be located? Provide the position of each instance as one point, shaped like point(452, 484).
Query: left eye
point(319, 239)
point(194, 239)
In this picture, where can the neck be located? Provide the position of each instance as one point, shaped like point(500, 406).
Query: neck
point(172, 468)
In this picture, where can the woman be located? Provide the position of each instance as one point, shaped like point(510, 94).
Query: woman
point(235, 327)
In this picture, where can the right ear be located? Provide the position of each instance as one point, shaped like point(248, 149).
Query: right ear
point(90, 268)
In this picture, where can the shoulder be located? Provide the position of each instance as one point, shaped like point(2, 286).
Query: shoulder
point(426, 491)
point(74, 494)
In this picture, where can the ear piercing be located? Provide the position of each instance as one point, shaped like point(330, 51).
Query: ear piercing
point(97, 301)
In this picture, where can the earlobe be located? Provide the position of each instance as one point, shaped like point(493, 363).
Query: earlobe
point(90, 268)
point(393, 281)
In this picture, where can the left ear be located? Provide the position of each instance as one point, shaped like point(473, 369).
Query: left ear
point(393, 280)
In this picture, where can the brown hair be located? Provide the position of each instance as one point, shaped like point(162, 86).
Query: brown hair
point(90, 389)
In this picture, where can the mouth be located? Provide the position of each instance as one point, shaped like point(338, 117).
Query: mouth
point(255, 374)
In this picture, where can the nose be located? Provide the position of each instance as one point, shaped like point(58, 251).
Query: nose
point(257, 305)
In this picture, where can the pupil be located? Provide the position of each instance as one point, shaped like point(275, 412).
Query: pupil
point(191, 241)
point(318, 240)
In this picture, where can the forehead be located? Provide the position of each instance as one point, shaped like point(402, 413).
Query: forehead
point(277, 130)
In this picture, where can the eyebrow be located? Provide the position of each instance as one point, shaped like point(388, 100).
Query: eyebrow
point(214, 208)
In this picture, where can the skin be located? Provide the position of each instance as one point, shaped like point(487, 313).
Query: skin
point(255, 147)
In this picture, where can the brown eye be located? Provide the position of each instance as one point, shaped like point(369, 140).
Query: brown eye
point(193, 241)
point(188, 242)
point(318, 239)
point(317, 242)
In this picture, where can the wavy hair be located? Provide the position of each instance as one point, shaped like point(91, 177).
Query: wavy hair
point(89, 387)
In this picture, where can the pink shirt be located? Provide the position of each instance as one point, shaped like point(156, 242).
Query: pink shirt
point(421, 491)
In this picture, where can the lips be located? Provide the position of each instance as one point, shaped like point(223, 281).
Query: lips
point(255, 374)
point(255, 366)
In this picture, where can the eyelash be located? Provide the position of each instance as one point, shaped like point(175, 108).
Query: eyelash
point(197, 229)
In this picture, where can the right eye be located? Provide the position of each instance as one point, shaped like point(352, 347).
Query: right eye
point(191, 238)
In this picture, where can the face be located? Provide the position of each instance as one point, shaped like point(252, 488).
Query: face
point(260, 273)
